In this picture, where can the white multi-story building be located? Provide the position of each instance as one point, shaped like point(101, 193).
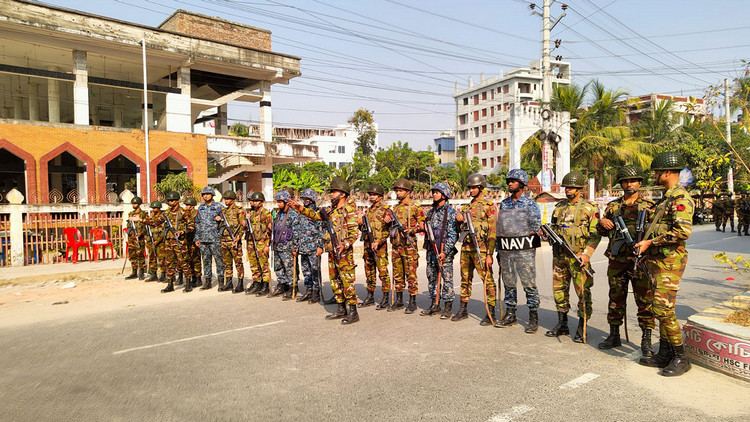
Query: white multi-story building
point(495, 117)
point(337, 147)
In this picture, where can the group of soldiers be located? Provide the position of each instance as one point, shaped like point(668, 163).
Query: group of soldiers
point(724, 208)
point(646, 249)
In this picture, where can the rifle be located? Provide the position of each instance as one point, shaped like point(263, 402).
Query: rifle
point(224, 226)
point(368, 236)
point(250, 235)
point(471, 232)
point(153, 247)
point(625, 238)
point(397, 226)
point(436, 250)
point(328, 227)
point(555, 240)
point(640, 230)
point(132, 232)
point(168, 227)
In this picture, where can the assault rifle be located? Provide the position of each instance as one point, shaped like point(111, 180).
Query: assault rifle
point(623, 236)
point(397, 226)
point(224, 226)
point(368, 236)
point(168, 227)
point(472, 233)
point(640, 229)
point(153, 246)
point(133, 233)
point(555, 240)
point(436, 250)
point(250, 235)
point(328, 227)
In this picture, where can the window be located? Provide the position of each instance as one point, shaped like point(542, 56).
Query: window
point(499, 142)
point(492, 128)
point(484, 162)
point(492, 93)
point(440, 149)
point(476, 115)
point(484, 95)
point(505, 124)
point(476, 148)
point(462, 119)
point(484, 112)
point(476, 99)
point(332, 164)
point(505, 89)
point(463, 134)
point(466, 101)
point(505, 142)
point(524, 88)
point(492, 111)
point(484, 146)
point(342, 149)
point(492, 162)
point(484, 128)
point(492, 146)
point(476, 132)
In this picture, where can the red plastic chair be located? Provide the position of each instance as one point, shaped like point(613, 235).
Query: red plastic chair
point(99, 238)
point(73, 241)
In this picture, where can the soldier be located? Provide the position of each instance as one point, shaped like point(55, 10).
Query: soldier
point(728, 212)
point(670, 225)
point(136, 239)
point(232, 216)
point(442, 220)
point(259, 219)
point(343, 217)
point(483, 218)
point(284, 244)
point(310, 248)
point(519, 222)
point(156, 257)
point(176, 241)
point(405, 256)
point(575, 220)
point(207, 236)
point(376, 253)
point(620, 271)
point(717, 210)
point(743, 213)
point(194, 252)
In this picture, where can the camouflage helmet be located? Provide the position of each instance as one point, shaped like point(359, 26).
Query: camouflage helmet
point(574, 179)
point(442, 188)
point(136, 200)
point(256, 196)
point(339, 184)
point(230, 194)
point(173, 196)
point(156, 204)
point(668, 160)
point(190, 201)
point(518, 174)
point(402, 184)
point(208, 190)
point(309, 194)
point(476, 179)
point(282, 196)
point(376, 189)
point(628, 172)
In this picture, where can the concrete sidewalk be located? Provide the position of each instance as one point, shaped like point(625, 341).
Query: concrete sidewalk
point(48, 272)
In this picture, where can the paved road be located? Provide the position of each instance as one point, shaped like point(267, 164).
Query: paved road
point(227, 357)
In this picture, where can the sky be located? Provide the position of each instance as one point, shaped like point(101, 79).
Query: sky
point(402, 59)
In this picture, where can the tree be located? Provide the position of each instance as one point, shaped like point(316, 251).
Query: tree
point(179, 182)
point(364, 125)
point(465, 168)
point(239, 129)
point(661, 123)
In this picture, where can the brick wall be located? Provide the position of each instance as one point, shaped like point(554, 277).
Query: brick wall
point(216, 29)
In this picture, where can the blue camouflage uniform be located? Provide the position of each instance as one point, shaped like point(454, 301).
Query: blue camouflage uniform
point(520, 264)
point(207, 233)
point(309, 235)
point(435, 218)
point(285, 239)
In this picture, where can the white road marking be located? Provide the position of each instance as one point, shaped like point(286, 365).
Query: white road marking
point(583, 379)
point(509, 416)
point(119, 352)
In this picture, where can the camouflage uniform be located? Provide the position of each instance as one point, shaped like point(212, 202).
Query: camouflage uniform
point(231, 252)
point(670, 225)
point(728, 214)
point(620, 270)
point(520, 265)
point(285, 242)
point(743, 214)
point(717, 211)
point(137, 248)
point(207, 234)
point(156, 243)
point(436, 218)
point(345, 226)
point(310, 238)
point(260, 221)
point(483, 218)
point(405, 258)
point(194, 252)
point(176, 257)
point(576, 224)
point(378, 264)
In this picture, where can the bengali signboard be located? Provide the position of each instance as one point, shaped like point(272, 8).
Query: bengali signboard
point(715, 351)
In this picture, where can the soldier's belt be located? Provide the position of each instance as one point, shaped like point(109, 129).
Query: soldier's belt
point(518, 243)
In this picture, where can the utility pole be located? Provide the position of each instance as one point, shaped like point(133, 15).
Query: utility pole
point(727, 117)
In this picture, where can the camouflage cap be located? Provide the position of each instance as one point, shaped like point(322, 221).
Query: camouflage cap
point(519, 175)
point(309, 194)
point(442, 188)
point(282, 196)
point(208, 190)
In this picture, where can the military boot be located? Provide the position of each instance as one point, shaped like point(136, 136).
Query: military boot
point(383, 302)
point(340, 312)
point(447, 310)
point(206, 283)
point(508, 319)
point(290, 293)
point(163, 277)
point(180, 280)
point(188, 286)
point(613, 340)
point(739, 232)
point(533, 322)
point(170, 285)
point(662, 358)
point(412, 306)
point(240, 287)
point(151, 277)
point(352, 317)
point(646, 350)
point(306, 296)
point(141, 274)
point(263, 289)
point(679, 364)
point(227, 286)
point(369, 300)
point(279, 290)
point(314, 297)
point(487, 320)
point(196, 281)
point(220, 281)
point(132, 275)
point(561, 329)
point(578, 336)
point(398, 303)
point(432, 310)
point(462, 313)
point(252, 288)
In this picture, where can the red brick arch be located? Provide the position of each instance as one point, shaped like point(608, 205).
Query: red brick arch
point(31, 194)
point(44, 169)
point(101, 171)
point(171, 152)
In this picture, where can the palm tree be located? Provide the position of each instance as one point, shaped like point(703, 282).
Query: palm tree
point(607, 106)
point(569, 98)
point(660, 124)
